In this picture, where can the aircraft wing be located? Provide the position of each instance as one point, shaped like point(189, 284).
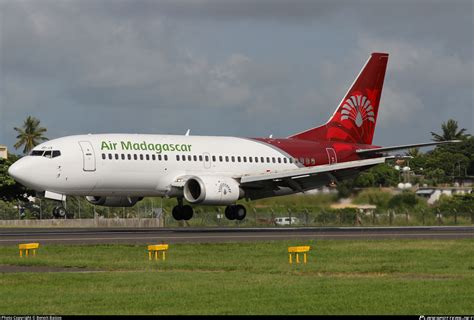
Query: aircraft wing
point(402, 147)
point(306, 178)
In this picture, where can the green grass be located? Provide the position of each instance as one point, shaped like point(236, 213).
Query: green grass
point(341, 277)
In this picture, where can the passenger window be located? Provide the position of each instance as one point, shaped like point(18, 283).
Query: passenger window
point(207, 158)
point(129, 156)
point(284, 160)
point(220, 158)
point(110, 156)
point(195, 158)
point(200, 158)
point(147, 157)
point(103, 156)
point(123, 156)
point(213, 158)
point(153, 157)
point(226, 158)
point(245, 159)
point(238, 159)
point(256, 159)
point(232, 158)
point(166, 157)
point(116, 156)
point(279, 160)
point(273, 159)
point(159, 157)
point(135, 157)
point(56, 153)
point(141, 157)
point(250, 159)
point(268, 159)
point(291, 160)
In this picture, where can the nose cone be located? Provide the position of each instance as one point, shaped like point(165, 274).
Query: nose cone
point(22, 171)
point(17, 171)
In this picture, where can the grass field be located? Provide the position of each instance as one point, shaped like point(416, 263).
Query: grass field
point(341, 277)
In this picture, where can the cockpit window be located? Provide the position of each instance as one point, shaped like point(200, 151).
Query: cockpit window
point(47, 153)
point(36, 153)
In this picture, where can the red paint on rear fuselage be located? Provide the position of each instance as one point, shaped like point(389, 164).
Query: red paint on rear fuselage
point(317, 150)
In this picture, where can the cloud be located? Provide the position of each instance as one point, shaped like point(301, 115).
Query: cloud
point(229, 67)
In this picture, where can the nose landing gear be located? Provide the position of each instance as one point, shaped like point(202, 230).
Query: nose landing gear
point(59, 212)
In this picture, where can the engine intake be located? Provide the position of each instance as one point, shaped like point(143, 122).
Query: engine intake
point(212, 190)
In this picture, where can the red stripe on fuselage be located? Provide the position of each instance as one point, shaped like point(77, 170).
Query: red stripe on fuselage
point(316, 149)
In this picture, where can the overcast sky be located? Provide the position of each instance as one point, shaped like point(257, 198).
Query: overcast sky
point(231, 67)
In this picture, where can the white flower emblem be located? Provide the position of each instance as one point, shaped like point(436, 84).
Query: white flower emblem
point(357, 108)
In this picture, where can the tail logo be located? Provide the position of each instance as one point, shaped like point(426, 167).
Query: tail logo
point(357, 108)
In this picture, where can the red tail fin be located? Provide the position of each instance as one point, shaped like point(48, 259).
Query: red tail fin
point(355, 118)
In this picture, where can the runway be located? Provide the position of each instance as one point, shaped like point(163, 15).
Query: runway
point(13, 236)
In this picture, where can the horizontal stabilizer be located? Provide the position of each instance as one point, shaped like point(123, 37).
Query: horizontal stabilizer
point(407, 146)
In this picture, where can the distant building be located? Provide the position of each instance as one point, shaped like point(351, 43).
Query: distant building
point(3, 152)
point(434, 193)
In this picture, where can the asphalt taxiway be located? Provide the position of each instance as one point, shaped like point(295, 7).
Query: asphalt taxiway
point(13, 236)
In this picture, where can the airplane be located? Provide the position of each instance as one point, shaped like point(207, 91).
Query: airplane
point(118, 170)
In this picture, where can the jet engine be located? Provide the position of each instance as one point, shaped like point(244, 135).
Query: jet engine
point(212, 190)
point(114, 201)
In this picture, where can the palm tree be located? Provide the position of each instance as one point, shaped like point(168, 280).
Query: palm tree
point(450, 132)
point(30, 134)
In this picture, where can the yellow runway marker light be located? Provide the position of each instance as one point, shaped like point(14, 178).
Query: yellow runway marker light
point(296, 251)
point(155, 250)
point(27, 247)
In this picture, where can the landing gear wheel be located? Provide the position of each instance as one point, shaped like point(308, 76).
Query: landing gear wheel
point(182, 212)
point(229, 213)
point(187, 212)
point(235, 212)
point(59, 212)
point(240, 212)
point(177, 215)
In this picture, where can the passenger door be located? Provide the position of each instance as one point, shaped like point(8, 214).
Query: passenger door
point(88, 156)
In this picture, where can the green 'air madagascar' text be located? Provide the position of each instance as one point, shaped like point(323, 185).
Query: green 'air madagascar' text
point(144, 146)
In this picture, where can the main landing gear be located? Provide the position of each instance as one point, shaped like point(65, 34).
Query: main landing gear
point(185, 212)
point(182, 212)
point(235, 212)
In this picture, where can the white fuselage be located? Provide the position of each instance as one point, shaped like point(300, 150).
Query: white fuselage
point(141, 165)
